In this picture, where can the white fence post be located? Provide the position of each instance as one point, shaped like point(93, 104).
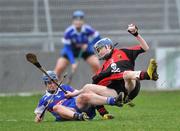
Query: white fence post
point(166, 14)
point(35, 15)
point(50, 45)
point(178, 11)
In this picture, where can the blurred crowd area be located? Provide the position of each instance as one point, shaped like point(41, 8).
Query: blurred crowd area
point(38, 26)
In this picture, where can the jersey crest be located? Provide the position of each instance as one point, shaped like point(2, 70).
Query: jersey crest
point(114, 68)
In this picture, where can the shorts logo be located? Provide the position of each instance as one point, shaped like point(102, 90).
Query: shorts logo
point(114, 68)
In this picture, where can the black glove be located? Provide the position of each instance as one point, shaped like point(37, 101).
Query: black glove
point(133, 32)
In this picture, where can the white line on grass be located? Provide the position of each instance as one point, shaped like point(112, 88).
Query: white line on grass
point(14, 120)
point(23, 94)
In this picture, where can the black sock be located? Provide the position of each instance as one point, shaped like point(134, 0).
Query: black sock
point(144, 75)
point(102, 110)
point(78, 116)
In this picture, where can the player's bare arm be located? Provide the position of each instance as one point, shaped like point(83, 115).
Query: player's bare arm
point(37, 118)
point(74, 93)
point(134, 31)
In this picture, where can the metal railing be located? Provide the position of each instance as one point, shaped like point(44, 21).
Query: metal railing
point(51, 37)
point(178, 10)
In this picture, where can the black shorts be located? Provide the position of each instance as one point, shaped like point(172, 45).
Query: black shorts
point(136, 90)
point(119, 86)
point(85, 55)
point(76, 51)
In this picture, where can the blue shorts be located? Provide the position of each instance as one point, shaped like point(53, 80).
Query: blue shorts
point(71, 103)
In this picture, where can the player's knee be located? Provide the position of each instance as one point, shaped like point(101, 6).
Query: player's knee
point(86, 97)
point(94, 63)
point(87, 88)
point(57, 108)
point(61, 64)
point(127, 75)
point(95, 68)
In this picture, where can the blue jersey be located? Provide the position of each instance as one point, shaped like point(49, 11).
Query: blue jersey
point(59, 98)
point(74, 39)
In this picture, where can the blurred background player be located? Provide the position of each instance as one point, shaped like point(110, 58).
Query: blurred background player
point(78, 41)
point(60, 107)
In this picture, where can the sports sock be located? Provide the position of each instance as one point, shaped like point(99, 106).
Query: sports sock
point(102, 110)
point(110, 101)
point(144, 75)
point(78, 116)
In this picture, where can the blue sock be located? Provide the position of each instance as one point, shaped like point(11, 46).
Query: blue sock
point(110, 101)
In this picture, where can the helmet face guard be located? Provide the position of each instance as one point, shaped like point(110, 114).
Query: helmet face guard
point(47, 81)
point(105, 43)
point(53, 76)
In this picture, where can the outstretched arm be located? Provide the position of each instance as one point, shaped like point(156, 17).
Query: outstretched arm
point(74, 93)
point(134, 31)
point(142, 42)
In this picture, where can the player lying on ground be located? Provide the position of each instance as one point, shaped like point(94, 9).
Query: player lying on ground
point(75, 108)
point(117, 76)
point(78, 41)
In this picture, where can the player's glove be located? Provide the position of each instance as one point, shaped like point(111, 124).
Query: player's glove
point(133, 29)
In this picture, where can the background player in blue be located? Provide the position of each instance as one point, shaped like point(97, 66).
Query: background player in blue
point(61, 107)
point(77, 38)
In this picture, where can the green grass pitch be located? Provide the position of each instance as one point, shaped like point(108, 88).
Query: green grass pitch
point(154, 111)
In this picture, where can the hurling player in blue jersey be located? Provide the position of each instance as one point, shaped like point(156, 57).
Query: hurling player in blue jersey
point(62, 108)
point(78, 39)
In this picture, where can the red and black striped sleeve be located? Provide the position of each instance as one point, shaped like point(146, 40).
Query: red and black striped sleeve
point(133, 51)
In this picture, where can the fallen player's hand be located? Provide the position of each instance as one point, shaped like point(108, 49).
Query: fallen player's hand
point(133, 29)
point(69, 94)
point(37, 118)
